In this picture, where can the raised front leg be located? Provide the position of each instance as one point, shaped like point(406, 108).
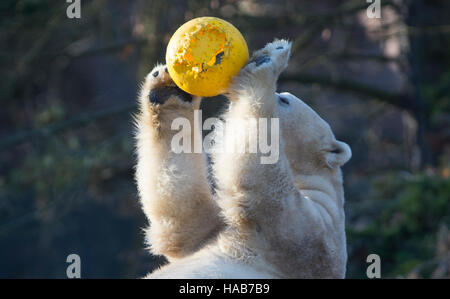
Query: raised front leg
point(172, 185)
point(248, 188)
point(268, 216)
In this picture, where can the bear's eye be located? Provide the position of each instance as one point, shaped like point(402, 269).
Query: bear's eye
point(284, 101)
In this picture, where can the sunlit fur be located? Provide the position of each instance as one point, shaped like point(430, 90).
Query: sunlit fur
point(174, 192)
point(282, 220)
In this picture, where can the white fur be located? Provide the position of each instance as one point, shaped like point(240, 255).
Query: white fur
point(282, 220)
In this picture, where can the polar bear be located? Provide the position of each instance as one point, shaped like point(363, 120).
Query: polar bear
point(280, 220)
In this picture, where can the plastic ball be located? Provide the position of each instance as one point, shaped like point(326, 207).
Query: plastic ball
point(204, 54)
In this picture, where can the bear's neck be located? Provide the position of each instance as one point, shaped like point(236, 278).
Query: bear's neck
point(328, 183)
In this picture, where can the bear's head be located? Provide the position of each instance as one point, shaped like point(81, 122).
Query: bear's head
point(310, 144)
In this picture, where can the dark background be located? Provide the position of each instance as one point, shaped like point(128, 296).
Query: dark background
point(68, 91)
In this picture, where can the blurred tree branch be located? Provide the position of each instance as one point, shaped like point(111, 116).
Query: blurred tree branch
point(52, 129)
point(107, 49)
point(361, 56)
point(399, 100)
point(317, 23)
point(416, 19)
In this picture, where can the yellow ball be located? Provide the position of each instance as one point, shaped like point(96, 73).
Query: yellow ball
point(203, 55)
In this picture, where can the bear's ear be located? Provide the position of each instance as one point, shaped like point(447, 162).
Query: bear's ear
point(338, 155)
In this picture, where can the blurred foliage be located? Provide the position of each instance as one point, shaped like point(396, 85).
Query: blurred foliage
point(438, 95)
point(403, 231)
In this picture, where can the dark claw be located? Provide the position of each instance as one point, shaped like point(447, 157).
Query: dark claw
point(162, 94)
point(261, 60)
point(155, 74)
point(165, 69)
